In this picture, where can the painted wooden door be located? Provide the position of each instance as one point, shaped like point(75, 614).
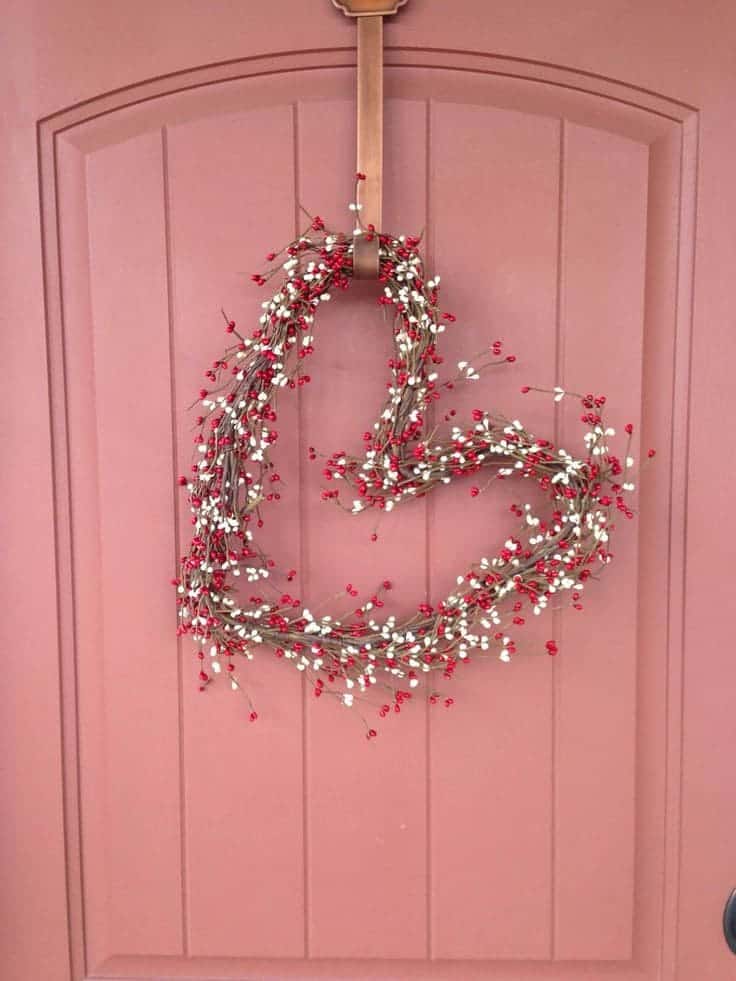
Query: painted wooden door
point(568, 818)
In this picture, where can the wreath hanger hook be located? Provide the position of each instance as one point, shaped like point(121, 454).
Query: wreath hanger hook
point(369, 158)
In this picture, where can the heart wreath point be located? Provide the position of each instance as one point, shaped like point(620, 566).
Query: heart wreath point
point(234, 476)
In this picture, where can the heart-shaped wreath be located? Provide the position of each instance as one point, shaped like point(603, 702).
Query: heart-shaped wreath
point(234, 477)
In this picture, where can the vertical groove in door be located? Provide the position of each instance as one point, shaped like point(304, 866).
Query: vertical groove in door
point(429, 265)
point(298, 218)
point(174, 410)
point(557, 621)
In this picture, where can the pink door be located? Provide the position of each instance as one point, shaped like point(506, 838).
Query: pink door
point(569, 818)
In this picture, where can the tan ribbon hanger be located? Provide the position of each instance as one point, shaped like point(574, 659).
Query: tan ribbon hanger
point(370, 14)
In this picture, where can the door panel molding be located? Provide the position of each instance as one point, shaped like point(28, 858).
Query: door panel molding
point(669, 130)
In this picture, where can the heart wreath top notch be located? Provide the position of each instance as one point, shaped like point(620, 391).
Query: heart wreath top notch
point(365, 658)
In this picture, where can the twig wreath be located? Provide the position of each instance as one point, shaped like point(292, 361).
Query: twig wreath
point(234, 478)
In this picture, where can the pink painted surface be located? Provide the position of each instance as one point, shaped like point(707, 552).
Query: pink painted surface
point(568, 819)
